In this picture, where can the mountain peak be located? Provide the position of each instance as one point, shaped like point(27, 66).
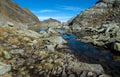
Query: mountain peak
point(51, 20)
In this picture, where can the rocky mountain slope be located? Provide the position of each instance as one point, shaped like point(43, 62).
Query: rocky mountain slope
point(102, 12)
point(51, 23)
point(99, 25)
point(11, 12)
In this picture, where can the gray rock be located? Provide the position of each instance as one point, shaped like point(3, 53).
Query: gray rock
point(14, 46)
point(34, 42)
point(98, 43)
point(104, 75)
point(10, 24)
point(4, 68)
point(7, 55)
point(17, 51)
point(75, 66)
point(50, 47)
point(116, 46)
point(117, 38)
point(90, 74)
point(108, 1)
point(84, 74)
point(56, 40)
point(26, 39)
point(72, 75)
point(50, 30)
point(64, 74)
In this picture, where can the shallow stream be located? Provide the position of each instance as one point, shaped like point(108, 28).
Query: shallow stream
point(90, 54)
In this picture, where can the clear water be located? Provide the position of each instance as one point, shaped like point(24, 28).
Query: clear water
point(42, 31)
point(60, 31)
point(90, 54)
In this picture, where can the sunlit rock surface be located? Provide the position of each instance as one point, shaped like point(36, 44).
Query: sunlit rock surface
point(20, 17)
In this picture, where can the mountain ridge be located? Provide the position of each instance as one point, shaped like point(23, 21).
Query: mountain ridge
point(12, 12)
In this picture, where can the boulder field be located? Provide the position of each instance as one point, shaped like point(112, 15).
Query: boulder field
point(99, 25)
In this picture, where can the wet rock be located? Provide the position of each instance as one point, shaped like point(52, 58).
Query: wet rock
point(4, 68)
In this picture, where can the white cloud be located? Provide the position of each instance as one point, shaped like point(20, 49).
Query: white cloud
point(45, 11)
point(72, 8)
point(60, 18)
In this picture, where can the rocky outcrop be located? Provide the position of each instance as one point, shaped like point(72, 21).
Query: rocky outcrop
point(99, 25)
point(11, 12)
point(104, 11)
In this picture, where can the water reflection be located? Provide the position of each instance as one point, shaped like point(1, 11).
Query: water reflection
point(88, 53)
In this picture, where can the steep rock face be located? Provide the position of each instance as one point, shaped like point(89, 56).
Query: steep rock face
point(10, 11)
point(103, 11)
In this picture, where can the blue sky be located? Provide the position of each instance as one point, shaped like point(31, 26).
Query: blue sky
point(61, 10)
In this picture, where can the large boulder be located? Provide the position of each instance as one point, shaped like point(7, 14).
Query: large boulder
point(85, 66)
point(56, 40)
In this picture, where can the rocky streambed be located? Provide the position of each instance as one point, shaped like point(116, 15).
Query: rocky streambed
point(25, 53)
point(90, 54)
